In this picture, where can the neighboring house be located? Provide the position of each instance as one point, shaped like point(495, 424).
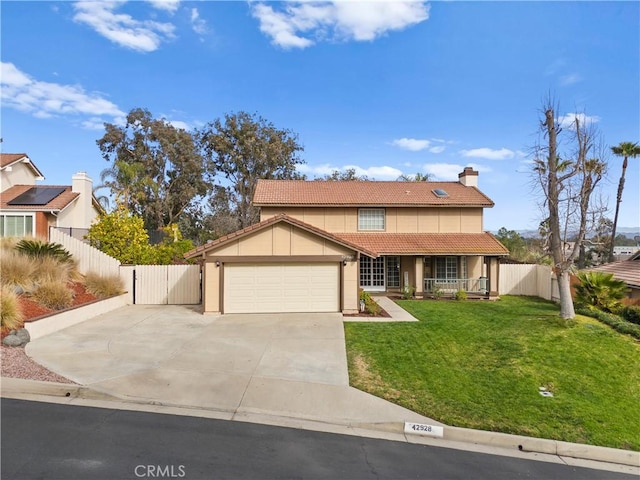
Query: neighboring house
point(626, 270)
point(27, 209)
point(318, 242)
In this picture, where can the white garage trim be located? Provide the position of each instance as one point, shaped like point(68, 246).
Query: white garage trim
point(281, 287)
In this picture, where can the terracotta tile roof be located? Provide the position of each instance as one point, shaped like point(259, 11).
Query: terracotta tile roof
point(427, 243)
point(57, 204)
point(7, 159)
point(318, 192)
point(627, 270)
point(270, 221)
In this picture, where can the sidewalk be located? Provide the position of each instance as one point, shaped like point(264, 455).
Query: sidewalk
point(397, 313)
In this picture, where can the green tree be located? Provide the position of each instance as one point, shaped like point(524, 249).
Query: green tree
point(567, 180)
point(513, 241)
point(157, 169)
point(121, 235)
point(241, 149)
point(348, 175)
point(626, 150)
point(600, 290)
point(418, 177)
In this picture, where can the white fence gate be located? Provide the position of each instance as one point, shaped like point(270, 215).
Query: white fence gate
point(166, 285)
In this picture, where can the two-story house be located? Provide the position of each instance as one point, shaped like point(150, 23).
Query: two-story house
point(28, 209)
point(318, 242)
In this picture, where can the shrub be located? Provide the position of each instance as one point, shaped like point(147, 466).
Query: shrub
point(103, 287)
point(10, 314)
point(614, 321)
point(408, 292)
point(48, 269)
point(631, 314)
point(39, 249)
point(600, 290)
point(461, 295)
point(121, 235)
point(370, 305)
point(437, 292)
point(53, 294)
point(16, 269)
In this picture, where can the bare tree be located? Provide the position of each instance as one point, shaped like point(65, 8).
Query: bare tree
point(567, 166)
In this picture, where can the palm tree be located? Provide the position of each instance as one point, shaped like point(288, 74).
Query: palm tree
point(601, 290)
point(626, 150)
point(418, 177)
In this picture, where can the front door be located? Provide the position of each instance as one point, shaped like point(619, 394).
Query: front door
point(372, 273)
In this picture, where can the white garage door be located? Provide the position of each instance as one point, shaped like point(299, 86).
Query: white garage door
point(288, 287)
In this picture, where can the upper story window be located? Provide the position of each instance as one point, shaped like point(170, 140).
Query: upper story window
point(371, 219)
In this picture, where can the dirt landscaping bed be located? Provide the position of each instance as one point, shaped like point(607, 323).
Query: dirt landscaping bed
point(15, 362)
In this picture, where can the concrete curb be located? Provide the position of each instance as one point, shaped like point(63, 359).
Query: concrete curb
point(17, 388)
point(73, 316)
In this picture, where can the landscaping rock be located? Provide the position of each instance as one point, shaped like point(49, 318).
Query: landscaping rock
point(12, 341)
point(17, 338)
point(23, 334)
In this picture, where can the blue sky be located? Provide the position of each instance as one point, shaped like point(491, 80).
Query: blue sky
point(387, 88)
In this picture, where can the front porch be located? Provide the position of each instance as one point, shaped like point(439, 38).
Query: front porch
point(430, 276)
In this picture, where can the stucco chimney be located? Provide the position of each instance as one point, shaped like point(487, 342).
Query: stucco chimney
point(82, 184)
point(468, 177)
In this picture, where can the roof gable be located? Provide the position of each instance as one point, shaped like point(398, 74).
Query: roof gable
point(9, 159)
point(268, 223)
point(366, 193)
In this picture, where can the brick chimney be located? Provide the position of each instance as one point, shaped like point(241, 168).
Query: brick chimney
point(468, 177)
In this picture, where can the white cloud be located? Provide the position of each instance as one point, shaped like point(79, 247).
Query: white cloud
point(169, 5)
point(450, 171)
point(569, 120)
point(122, 29)
point(570, 79)
point(46, 100)
point(198, 24)
point(180, 124)
point(379, 173)
point(411, 144)
point(301, 24)
point(488, 153)
point(416, 145)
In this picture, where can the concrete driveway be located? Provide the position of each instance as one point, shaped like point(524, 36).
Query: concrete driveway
point(291, 365)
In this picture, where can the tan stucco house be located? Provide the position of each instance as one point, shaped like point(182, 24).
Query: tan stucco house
point(29, 209)
point(318, 242)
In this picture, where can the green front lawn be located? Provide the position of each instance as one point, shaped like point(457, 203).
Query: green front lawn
point(480, 364)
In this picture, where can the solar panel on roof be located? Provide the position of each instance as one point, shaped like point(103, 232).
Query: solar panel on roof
point(37, 196)
point(440, 193)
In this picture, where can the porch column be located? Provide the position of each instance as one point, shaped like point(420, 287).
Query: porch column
point(419, 276)
point(493, 271)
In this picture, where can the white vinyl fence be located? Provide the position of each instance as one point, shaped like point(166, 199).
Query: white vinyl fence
point(166, 284)
point(528, 279)
point(146, 284)
point(89, 259)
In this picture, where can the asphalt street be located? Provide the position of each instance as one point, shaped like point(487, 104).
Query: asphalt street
point(53, 441)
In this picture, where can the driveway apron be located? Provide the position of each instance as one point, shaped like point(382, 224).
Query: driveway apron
point(291, 365)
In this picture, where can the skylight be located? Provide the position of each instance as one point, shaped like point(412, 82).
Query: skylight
point(438, 192)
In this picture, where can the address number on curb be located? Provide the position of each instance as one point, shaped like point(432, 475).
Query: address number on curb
point(423, 429)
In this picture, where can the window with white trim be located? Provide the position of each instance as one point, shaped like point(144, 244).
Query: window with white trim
point(16, 225)
point(371, 219)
